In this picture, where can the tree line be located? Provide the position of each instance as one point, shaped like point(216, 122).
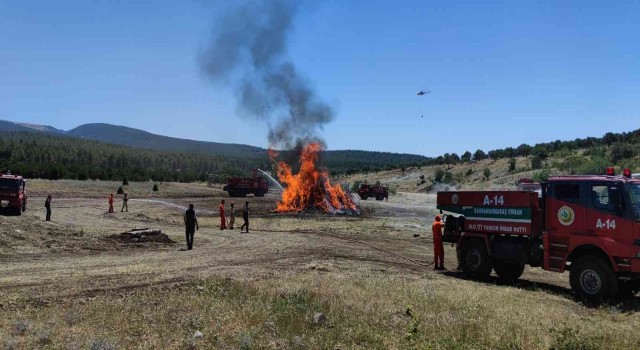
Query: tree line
point(610, 149)
point(39, 155)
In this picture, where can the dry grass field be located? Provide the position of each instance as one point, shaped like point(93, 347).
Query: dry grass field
point(68, 284)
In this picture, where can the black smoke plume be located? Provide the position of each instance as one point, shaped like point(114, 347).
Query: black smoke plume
point(248, 50)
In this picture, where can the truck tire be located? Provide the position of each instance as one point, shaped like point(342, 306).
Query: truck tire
point(24, 206)
point(364, 197)
point(593, 280)
point(19, 210)
point(476, 262)
point(259, 194)
point(379, 198)
point(508, 272)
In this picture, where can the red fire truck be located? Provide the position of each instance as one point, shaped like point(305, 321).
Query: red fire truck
point(13, 197)
point(242, 186)
point(589, 225)
point(378, 191)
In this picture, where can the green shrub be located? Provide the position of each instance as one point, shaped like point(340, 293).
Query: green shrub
point(620, 151)
point(536, 162)
point(155, 188)
point(486, 173)
point(125, 182)
point(120, 190)
point(512, 165)
point(438, 175)
point(542, 175)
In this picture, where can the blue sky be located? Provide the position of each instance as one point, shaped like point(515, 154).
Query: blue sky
point(501, 72)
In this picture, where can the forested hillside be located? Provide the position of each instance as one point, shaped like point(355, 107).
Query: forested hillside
point(41, 155)
point(589, 155)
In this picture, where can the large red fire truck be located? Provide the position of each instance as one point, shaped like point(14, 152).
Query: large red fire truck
point(589, 225)
point(13, 197)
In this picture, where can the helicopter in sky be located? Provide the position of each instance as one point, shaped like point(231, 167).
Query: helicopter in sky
point(423, 92)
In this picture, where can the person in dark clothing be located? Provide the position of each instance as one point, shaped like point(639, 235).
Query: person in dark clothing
point(47, 204)
point(191, 224)
point(125, 205)
point(245, 217)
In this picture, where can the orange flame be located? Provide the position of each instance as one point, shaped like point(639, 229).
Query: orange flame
point(310, 187)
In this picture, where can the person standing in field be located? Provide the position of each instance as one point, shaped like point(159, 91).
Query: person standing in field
point(438, 249)
point(232, 216)
point(191, 225)
point(245, 217)
point(111, 203)
point(125, 206)
point(223, 216)
point(47, 205)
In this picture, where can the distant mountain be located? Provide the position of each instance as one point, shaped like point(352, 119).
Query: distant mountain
point(122, 135)
point(136, 138)
point(6, 125)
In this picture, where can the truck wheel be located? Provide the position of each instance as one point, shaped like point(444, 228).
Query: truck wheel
point(364, 197)
point(24, 206)
point(379, 198)
point(19, 210)
point(476, 262)
point(593, 280)
point(508, 272)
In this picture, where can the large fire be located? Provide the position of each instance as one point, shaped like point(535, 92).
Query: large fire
point(310, 187)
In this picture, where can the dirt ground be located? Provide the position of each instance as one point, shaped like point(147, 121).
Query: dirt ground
point(73, 254)
point(74, 257)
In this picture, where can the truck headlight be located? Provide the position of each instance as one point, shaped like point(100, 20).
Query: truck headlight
point(4, 203)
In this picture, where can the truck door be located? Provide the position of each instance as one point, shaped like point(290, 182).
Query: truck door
point(607, 219)
point(566, 216)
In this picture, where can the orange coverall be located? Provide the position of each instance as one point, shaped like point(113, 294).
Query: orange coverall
point(438, 249)
point(111, 203)
point(223, 218)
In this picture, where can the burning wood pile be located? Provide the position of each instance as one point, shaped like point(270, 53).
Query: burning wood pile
point(310, 189)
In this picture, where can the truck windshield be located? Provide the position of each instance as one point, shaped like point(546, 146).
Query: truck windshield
point(634, 194)
point(9, 184)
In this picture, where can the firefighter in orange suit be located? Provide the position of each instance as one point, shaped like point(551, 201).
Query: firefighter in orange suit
point(223, 217)
point(111, 203)
point(438, 249)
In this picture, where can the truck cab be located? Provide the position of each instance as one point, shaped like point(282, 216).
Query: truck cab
point(13, 197)
point(593, 230)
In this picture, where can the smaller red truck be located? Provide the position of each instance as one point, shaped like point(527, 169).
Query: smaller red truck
point(588, 225)
point(242, 186)
point(377, 191)
point(13, 198)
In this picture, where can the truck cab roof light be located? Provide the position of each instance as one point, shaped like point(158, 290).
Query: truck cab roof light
point(611, 171)
point(626, 173)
